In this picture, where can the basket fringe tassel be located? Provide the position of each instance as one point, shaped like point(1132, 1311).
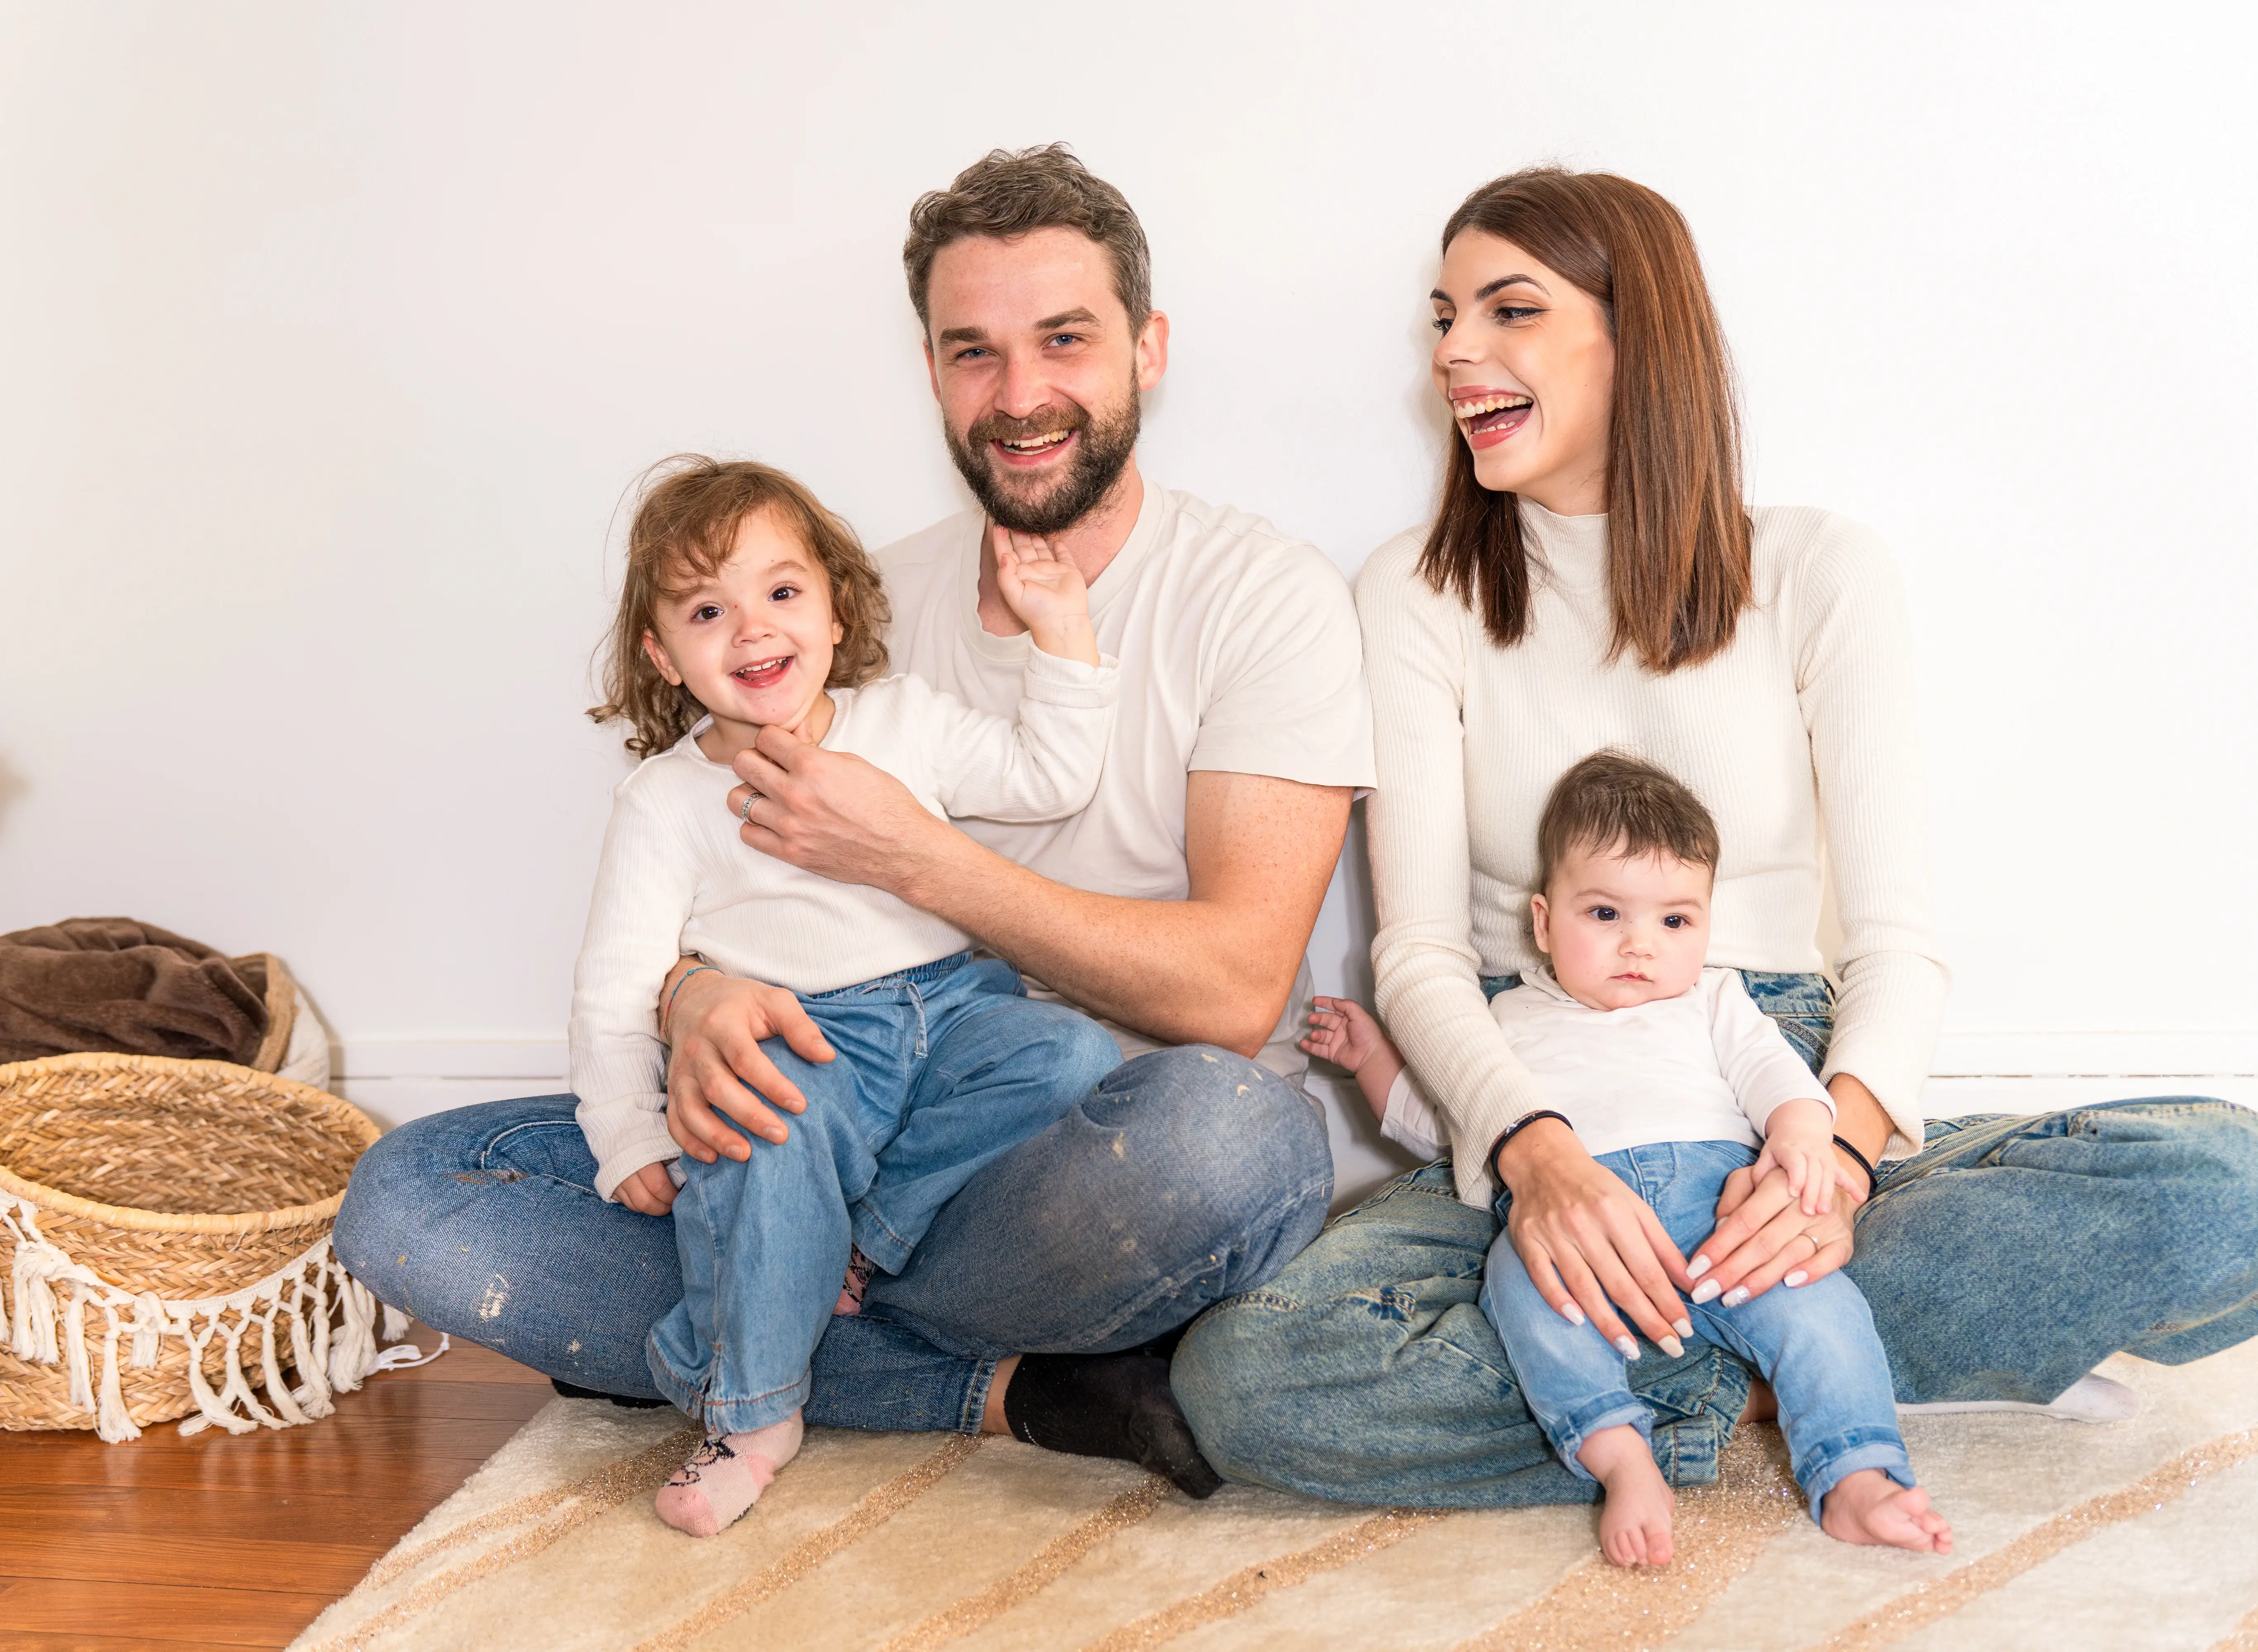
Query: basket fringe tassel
point(51, 1296)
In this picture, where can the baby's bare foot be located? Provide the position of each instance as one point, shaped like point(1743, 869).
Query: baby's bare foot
point(1635, 1521)
point(1870, 1507)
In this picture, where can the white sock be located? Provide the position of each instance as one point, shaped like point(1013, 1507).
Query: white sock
point(2091, 1398)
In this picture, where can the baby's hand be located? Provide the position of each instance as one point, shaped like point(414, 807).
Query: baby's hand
point(1796, 1143)
point(1048, 593)
point(1343, 1032)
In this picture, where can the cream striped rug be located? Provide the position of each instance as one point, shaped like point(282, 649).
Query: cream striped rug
point(2142, 1534)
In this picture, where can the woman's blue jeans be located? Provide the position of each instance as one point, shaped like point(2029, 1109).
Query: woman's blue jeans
point(2003, 1261)
point(940, 1070)
point(1815, 1344)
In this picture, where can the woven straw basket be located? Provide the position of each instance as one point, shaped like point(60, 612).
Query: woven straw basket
point(170, 1224)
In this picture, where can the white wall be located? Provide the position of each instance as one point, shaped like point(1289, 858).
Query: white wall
point(332, 335)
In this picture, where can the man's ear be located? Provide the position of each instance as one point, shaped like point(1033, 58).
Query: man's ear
point(932, 369)
point(1152, 351)
point(657, 655)
point(1540, 915)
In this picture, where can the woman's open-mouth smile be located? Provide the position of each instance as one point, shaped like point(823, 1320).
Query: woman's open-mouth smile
point(1487, 417)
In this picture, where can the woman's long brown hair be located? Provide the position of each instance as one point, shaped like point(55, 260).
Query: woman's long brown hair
point(1678, 531)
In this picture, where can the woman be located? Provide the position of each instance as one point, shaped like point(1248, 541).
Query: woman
point(1593, 579)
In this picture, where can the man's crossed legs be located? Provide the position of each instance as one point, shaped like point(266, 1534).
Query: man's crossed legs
point(1187, 1175)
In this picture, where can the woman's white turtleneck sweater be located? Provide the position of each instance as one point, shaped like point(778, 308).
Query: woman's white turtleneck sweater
point(1799, 738)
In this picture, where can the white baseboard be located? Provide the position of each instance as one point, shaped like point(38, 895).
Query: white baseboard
point(2065, 1053)
point(396, 1080)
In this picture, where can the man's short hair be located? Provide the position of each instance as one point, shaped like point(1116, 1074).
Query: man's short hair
point(1612, 803)
point(1009, 192)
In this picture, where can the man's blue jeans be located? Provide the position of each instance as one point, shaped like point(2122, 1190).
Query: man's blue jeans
point(1187, 1176)
point(939, 1071)
point(2004, 1262)
point(1814, 1344)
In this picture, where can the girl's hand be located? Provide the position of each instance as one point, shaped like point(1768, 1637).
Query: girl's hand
point(1048, 593)
point(1589, 1243)
point(649, 1190)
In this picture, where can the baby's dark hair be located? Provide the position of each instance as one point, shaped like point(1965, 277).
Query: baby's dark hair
point(686, 527)
point(1616, 804)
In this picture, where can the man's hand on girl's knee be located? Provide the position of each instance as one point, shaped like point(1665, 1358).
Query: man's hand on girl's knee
point(715, 1026)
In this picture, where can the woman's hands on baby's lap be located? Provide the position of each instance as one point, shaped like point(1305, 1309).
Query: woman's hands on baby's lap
point(649, 1190)
point(1799, 1140)
point(1048, 593)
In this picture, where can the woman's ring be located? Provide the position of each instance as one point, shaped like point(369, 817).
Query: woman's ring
point(746, 813)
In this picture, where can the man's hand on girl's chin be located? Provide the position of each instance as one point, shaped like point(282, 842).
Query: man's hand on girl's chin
point(831, 812)
point(714, 1028)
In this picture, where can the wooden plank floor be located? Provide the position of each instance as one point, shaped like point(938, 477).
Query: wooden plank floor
point(237, 1540)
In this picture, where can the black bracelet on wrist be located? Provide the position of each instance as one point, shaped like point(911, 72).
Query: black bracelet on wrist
point(1518, 1127)
point(1873, 1179)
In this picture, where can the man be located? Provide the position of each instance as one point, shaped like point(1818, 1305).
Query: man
point(1177, 908)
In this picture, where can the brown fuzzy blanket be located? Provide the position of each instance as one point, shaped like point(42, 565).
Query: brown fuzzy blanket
point(118, 984)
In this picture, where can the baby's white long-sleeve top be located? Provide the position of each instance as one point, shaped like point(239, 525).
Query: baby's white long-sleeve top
point(676, 879)
point(1707, 1065)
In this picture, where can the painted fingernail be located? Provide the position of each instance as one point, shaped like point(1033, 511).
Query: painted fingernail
point(1737, 1295)
point(1627, 1348)
point(1672, 1347)
point(1684, 1328)
point(1573, 1314)
point(1796, 1277)
point(1696, 1268)
point(1707, 1290)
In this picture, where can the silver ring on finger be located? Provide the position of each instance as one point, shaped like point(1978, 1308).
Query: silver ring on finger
point(745, 813)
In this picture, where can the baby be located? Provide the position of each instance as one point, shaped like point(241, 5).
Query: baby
point(1672, 1077)
point(748, 605)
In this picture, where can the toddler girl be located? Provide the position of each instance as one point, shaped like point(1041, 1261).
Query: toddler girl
point(1672, 1077)
point(747, 604)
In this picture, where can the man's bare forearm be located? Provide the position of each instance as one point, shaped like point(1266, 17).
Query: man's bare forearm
point(1179, 972)
point(1215, 967)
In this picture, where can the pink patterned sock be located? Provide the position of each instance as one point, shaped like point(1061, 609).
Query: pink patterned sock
point(859, 1269)
point(725, 1476)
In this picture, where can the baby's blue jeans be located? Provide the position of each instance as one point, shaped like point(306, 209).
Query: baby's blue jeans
point(938, 1070)
point(1814, 1343)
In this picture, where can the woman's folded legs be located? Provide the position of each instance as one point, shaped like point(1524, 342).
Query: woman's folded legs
point(2001, 1264)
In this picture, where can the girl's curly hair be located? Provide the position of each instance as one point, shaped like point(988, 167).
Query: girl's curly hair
point(686, 527)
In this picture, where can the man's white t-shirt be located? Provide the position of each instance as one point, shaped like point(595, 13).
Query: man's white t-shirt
point(1239, 651)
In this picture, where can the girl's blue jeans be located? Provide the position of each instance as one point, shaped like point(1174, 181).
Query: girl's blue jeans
point(938, 1070)
point(1815, 1344)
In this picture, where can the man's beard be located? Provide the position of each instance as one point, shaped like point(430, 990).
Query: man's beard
point(1101, 453)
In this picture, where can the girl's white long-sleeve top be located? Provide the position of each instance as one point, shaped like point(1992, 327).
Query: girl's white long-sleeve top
point(676, 879)
point(1800, 738)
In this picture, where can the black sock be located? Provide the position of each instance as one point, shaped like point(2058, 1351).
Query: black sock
point(1107, 1405)
point(631, 1402)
